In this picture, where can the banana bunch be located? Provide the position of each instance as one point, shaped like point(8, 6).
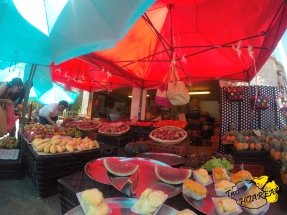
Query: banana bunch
point(58, 144)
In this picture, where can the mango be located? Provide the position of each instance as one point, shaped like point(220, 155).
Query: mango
point(36, 141)
point(64, 142)
point(69, 148)
point(38, 144)
point(41, 147)
point(63, 147)
point(47, 148)
point(53, 149)
point(97, 145)
point(46, 140)
point(56, 142)
point(56, 137)
point(84, 146)
point(79, 140)
point(79, 148)
point(59, 149)
point(91, 145)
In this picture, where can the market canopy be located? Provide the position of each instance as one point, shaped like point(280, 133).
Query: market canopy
point(208, 39)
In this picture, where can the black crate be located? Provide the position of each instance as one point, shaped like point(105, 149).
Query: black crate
point(273, 167)
point(48, 165)
point(70, 185)
point(46, 186)
point(248, 156)
point(11, 169)
point(282, 196)
point(196, 141)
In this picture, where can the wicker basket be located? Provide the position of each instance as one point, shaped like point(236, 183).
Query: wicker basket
point(168, 142)
point(115, 134)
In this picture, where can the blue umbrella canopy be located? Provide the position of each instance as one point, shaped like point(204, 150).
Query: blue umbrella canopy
point(54, 95)
point(42, 80)
point(40, 31)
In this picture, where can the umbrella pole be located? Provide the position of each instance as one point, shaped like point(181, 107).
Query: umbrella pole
point(27, 91)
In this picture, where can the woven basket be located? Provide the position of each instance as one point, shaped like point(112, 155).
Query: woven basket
point(168, 142)
point(115, 134)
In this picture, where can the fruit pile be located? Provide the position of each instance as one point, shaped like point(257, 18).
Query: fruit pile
point(73, 123)
point(176, 123)
point(168, 134)
point(9, 143)
point(73, 132)
point(88, 125)
point(58, 144)
point(113, 129)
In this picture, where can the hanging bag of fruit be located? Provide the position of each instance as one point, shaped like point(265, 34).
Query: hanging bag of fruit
point(177, 92)
point(259, 102)
point(234, 93)
point(161, 93)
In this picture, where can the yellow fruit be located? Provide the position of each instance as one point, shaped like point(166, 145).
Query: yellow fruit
point(38, 144)
point(69, 148)
point(53, 149)
point(56, 137)
point(47, 148)
point(91, 144)
point(56, 142)
point(79, 148)
point(63, 148)
point(37, 140)
point(41, 147)
point(79, 140)
point(86, 145)
point(97, 145)
point(46, 140)
point(83, 146)
point(59, 149)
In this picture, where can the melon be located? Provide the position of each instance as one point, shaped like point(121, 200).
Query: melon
point(119, 168)
point(172, 175)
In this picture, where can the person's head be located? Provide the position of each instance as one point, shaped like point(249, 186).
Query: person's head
point(62, 105)
point(15, 85)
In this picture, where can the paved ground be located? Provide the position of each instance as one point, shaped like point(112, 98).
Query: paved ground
point(20, 197)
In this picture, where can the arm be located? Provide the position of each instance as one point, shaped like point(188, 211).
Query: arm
point(8, 101)
point(51, 121)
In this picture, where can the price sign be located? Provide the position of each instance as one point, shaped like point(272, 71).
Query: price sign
point(181, 117)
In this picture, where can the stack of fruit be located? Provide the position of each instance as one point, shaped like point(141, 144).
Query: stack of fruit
point(9, 143)
point(60, 144)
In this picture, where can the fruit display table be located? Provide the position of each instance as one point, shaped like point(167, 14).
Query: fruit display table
point(70, 185)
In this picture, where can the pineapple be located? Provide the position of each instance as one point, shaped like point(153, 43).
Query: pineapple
point(277, 153)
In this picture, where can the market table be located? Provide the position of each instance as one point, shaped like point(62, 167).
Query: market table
point(70, 185)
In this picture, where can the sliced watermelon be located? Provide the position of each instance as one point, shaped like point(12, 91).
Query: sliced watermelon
point(171, 175)
point(119, 168)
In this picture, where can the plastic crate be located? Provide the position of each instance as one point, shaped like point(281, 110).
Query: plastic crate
point(273, 167)
point(178, 149)
point(46, 186)
point(69, 186)
point(256, 170)
point(11, 169)
point(248, 156)
point(90, 134)
point(114, 140)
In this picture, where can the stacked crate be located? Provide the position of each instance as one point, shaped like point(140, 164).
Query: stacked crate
point(44, 170)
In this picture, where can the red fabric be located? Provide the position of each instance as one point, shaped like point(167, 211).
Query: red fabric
point(201, 30)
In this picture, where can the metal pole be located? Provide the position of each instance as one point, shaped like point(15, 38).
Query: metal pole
point(27, 92)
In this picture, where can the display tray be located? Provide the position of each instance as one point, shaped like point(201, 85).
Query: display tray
point(114, 134)
point(207, 206)
point(148, 178)
point(170, 159)
point(122, 206)
point(95, 170)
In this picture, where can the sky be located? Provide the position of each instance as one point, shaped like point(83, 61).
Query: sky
point(276, 52)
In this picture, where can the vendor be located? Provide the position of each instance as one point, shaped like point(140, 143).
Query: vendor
point(9, 89)
point(49, 114)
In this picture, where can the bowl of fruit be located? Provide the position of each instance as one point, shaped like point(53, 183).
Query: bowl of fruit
point(169, 135)
point(88, 126)
point(114, 130)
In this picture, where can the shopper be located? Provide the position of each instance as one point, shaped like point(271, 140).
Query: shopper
point(8, 89)
point(49, 114)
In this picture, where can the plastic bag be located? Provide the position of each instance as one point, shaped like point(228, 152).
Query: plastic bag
point(11, 119)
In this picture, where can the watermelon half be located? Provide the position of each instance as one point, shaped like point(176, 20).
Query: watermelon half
point(119, 168)
point(172, 175)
